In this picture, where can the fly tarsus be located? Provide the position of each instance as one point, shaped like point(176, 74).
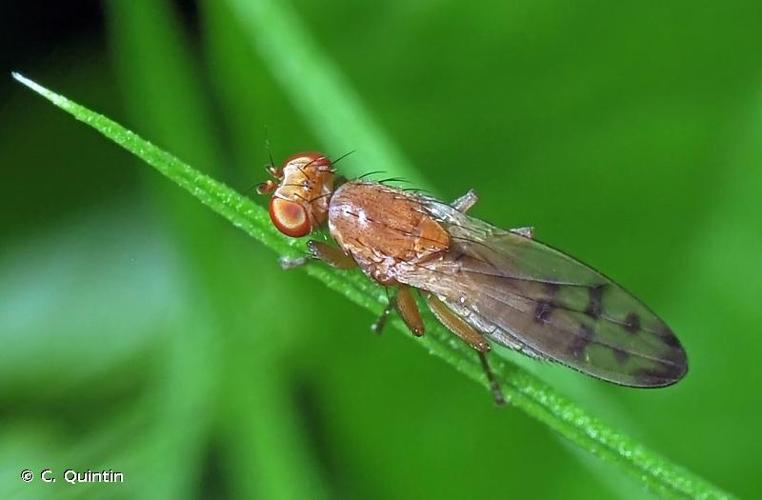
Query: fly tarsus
point(494, 385)
point(378, 325)
point(526, 232)
point(287, 263)
point(465, 202)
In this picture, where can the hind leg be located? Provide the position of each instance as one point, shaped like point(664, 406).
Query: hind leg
point(470, 336)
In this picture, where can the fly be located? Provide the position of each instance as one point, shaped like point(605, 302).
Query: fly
point(485, 284)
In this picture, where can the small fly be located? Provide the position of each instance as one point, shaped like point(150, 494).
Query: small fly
point(483, 283)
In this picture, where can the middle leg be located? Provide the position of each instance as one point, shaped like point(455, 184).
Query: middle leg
point(378, 325)
point(404, 301)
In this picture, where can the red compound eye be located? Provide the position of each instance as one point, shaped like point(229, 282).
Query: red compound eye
point(289, 217)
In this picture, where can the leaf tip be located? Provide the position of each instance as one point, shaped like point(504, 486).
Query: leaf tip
point(21, 78)
point(50, 95)
point(29, 83)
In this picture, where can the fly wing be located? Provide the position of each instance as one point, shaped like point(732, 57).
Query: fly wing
point(531, 297)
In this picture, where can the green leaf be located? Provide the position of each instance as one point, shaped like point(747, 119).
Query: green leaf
point(521, 388)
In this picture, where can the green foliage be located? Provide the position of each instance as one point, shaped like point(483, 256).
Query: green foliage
point(522, 389)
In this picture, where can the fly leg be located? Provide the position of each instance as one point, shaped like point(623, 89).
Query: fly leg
point(466, 201)
point(330, 255)
point(456, 325)
point(378, 325)
point(320, 251)
point(407, 308)
point(494, 385)
point(470, 336)
point(526, 232)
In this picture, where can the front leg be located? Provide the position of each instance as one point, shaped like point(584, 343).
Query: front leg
point(320, 251)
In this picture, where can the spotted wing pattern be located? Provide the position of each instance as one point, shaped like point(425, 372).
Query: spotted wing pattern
point(533, 298)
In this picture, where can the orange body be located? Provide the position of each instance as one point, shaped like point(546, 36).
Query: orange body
point(383, 229)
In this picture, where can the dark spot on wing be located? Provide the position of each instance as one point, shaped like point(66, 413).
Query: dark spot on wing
point(581, 341)
point(666, 374)
point(666, 335)
point(552, 291)
point(649, 376)
point(621, 355)
point(670, 339)
point(595, 304)
point(542, 312)
point(632, 323)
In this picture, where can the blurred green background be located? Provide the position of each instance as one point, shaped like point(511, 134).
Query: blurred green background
point(143, 333)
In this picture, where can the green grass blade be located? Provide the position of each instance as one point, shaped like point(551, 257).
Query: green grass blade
point(522, 389)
